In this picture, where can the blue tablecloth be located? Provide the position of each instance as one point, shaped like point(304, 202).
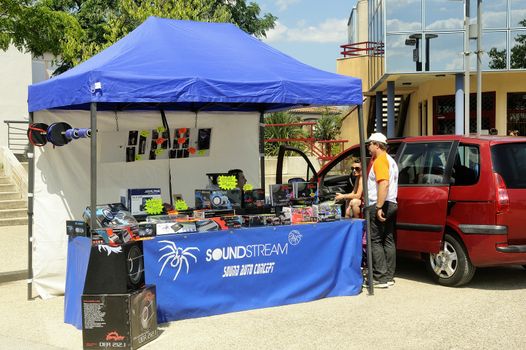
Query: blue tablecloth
point(224, 271)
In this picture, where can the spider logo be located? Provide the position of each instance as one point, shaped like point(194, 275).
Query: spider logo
point(177, 257)
point(109, 249)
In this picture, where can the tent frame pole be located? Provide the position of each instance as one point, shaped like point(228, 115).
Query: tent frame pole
point(30, 211)
point(262, 148)
point(93, 165)
point(363, 156)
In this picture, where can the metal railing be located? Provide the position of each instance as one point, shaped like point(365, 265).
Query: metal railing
point(363, 48)
point(322, 149)
point(17, 140)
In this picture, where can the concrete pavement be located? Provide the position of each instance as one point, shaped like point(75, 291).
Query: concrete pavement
point(415, 314)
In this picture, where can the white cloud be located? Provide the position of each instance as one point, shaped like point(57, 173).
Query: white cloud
point(448, 23)
point(396, 25)
point(284, 4)
point(332, 30)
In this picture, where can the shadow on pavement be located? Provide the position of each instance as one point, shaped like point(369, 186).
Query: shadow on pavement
point(487, 278)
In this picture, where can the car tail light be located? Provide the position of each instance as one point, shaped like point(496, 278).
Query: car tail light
point(502, 202)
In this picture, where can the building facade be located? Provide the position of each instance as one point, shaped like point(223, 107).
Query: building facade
point(18, 70)
point(411, 58)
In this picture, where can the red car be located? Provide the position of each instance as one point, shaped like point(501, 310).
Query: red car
point(461, 200)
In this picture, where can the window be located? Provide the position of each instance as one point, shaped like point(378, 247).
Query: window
point(403, 15)
point(518, 49)
point(466, 167)
point(516, 119)
point(493, 13)
point(444, 15)
point(518, 13)
point(509, 160)
point(423, 163)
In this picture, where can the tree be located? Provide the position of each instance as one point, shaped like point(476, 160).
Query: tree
point(282, 132)
point(328, 127)
point(518, 53)
point(75, 30)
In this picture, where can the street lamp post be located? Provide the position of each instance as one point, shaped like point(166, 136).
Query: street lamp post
point(414, 40)
point(479, 66)
point(466, 68)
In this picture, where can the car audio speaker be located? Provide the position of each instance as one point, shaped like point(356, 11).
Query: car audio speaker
point(114, 270)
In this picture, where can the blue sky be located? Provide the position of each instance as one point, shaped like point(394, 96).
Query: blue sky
point(311, 31)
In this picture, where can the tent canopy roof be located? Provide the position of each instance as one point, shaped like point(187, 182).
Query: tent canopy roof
point(195, 66)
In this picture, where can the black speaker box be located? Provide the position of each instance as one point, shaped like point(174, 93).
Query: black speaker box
point(124, 321)
point(115, 270)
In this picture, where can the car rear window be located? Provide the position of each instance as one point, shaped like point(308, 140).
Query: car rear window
point(509, 160)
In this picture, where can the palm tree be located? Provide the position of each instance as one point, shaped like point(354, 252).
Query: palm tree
point(282, 132)
point(328, 127)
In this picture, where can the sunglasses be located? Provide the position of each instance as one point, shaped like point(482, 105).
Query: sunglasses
point(356, 168)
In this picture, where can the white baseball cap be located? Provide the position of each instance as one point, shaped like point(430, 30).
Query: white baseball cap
point(377, 137)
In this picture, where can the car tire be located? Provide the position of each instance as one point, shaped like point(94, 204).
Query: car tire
point(524, 267)
point(451, 266)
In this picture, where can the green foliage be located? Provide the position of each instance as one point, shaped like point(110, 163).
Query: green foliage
point(518, 53)
point(75, 30)
point(283, 132)
point(328, 127)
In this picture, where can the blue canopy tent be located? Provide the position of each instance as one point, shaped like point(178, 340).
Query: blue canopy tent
point(189, 66)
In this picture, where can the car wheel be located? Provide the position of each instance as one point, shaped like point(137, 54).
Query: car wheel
point(524, 267)
point(451, 266)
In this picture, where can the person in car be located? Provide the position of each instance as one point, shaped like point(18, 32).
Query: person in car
point(382, 184)
point(353, 199)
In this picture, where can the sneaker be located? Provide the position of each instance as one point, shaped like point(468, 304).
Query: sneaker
point(390, 283)
point(376, 284)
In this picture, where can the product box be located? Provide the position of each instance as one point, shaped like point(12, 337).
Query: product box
point(231, 221)
point(221, 199)
point(299, 214)
point(147, 229)
point(261, 220)
point(108, 215)
point(202, 199)
point(205, 214)
point(135, 199)
point(281, 194)
point(123, 321)
point(327, 212)
point(75, 228)
point(180, 226)
point(210, 224)
point(166, 218)
point(254, 198)
point(253, 220)
point(306, 192)
point(113, 236)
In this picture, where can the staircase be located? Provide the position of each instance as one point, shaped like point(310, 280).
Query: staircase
point(401, 105)
point(13, 208)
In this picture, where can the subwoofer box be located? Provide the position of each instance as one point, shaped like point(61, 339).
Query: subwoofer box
point(123, 321)
point(115, 270)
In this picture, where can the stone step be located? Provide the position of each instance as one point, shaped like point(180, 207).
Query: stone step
point(10, 195)
point(5, 180)
point(13, 204)
point(13, 221)
point(12, 213)
point(8, 188)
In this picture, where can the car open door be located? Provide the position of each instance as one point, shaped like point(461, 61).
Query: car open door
point(310, 172)
point(423, 192)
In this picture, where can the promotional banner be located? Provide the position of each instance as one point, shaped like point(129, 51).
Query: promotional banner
point(224, 271)
point(78, 258)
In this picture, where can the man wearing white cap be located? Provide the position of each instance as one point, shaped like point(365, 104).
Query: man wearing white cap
point(382, 184)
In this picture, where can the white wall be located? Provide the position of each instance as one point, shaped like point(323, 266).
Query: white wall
point(15, 73)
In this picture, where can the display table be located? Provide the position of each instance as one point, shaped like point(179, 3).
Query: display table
point(211, 273)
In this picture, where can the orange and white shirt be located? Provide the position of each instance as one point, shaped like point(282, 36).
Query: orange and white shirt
point(384, 168)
